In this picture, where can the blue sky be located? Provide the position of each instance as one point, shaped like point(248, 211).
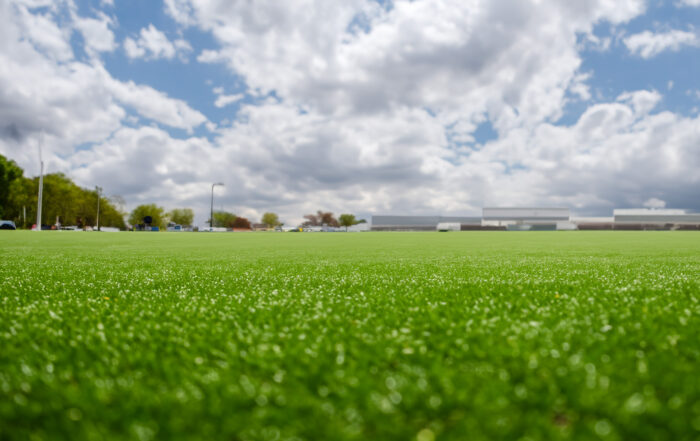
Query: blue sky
point(423, 107)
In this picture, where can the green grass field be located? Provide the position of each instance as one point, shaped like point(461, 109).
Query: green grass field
point(365, 336)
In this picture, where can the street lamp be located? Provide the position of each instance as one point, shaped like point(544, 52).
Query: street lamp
point(211, 219)
point(98, 190)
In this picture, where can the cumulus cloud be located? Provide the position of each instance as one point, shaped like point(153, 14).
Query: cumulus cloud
point(463, 60)
point(97, 33)
point(153, 44)
point(648, 44)
point(364, 109)
point(654, 203)
point(154, 104)
point(41, 29)
point(44, 89)
point(223, 100)
point(615, 155)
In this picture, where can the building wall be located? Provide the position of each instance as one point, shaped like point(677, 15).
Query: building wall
point(418, 223)
point(525, 214)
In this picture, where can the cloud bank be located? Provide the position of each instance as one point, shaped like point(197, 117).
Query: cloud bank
point(356, 107)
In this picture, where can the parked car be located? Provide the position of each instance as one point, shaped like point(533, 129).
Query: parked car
point(7, 225)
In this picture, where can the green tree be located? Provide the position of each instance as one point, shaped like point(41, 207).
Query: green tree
point(224, 219)
point(21, 206)
point(271, 220)
point(62, 200)
point(347, 220)
point(182, 216)
point(9, 173)
point(157, 214)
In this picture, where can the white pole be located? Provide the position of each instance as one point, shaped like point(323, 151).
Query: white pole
point(41, 189)
point(97, 189)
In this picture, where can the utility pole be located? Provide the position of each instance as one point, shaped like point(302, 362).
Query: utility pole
point(41, 190)
point(98, 190)
point(211, 219)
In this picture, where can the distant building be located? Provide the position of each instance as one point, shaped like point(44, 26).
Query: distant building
point(655, 219)
point(260, 227)
point(420, 223)
point(543, 219)
point(449, 226)
point(358, 227)
point(594, 223)
point(527, 218)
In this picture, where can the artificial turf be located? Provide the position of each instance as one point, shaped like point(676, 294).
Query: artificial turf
point(350, 336)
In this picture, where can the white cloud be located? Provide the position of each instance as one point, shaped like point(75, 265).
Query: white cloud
point(690, 2)
point(361, 109)
point(132, 48)
point(71, 102)
point(648, 44)
point(154, 104)
point(462, 59)
point(654, 203)
point(641, 101)
point(223, 100)
point(615, 155)
point(42, 31)
point(96, 33)
point(153, 44)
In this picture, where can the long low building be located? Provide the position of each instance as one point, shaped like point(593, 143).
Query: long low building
point(655, 219)
point(543, 218)
point(420, 223)
point(528, 218)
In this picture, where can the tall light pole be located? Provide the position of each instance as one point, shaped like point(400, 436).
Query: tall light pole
point(98, 190)
point(41, 190)
point(211, 219)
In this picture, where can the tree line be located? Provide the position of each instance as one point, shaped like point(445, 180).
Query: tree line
point(63, 201)
point(326, 218)
point(66, 203)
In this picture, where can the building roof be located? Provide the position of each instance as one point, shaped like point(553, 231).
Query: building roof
point(421, 221)
point(526, 213)
point(648, 211)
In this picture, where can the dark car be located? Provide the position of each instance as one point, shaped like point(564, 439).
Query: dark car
point(7, 225)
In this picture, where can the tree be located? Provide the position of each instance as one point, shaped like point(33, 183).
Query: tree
point(21, 205)
point(347, 220)
point(271, 220)
point(224, 219)
point(320, 218)
point(182, 216)
point(62, 200)
point(241, 223)
point(9, 173)
point(157, 214)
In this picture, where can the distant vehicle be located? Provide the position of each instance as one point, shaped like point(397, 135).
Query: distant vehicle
point(7, 225)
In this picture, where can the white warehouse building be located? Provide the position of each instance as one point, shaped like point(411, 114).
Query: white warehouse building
point(528, 218)
point(651, 219)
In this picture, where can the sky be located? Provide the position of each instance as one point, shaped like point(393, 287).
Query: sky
point(435, 107)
